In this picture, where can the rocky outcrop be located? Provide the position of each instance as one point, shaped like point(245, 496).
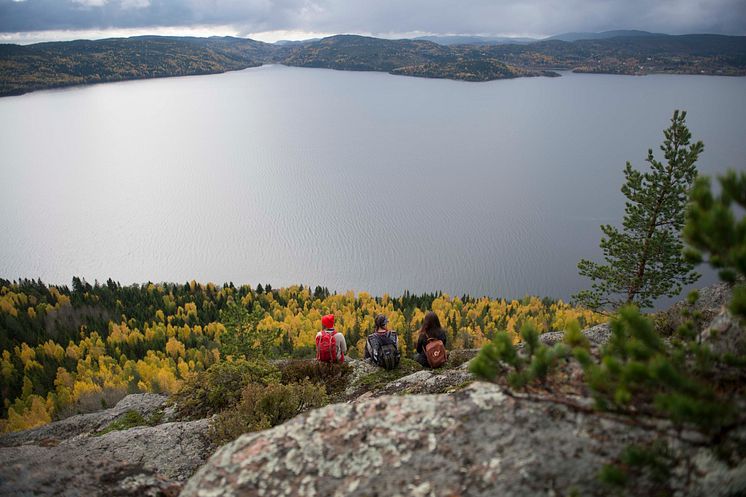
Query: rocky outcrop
point(480, 441)
point(597, 336)
point(459, 357)
point(424, 382)
point(476, 439)
point(454, 437)
point(68, 458)
point(360, 370)
point(365, 381)
point(145, 404)
point(718, 328)
point(710, 303)
point(725, 334)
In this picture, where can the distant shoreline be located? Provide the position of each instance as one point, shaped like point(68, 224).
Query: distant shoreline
point(556, 73)
point(56, 65)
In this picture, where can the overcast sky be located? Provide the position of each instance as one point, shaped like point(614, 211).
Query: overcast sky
point(276, 19)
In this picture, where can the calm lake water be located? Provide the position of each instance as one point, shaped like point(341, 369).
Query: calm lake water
point(360, 181)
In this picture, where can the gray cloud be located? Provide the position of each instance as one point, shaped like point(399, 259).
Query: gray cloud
point(381, 16)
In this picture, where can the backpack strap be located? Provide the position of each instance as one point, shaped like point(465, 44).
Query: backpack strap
point(333, 345)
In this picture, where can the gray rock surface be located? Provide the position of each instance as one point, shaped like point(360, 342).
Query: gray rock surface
point(459, 357)
point(725, 334)
point(719, 328)
point(427, 382)
point(360, 369)
point(146, 404)
point(710, 303)
point(597, 336)
point(70, 461)
point(475, 442)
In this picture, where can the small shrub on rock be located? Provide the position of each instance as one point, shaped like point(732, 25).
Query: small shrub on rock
point(638, 370)
point(265, 406)
point(219, 387)
point(130, 419)
point(333, 376)
point(534, 362)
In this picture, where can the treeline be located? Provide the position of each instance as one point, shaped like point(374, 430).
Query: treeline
point(70, 349)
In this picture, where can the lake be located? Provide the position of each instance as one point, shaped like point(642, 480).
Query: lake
point(349, 180)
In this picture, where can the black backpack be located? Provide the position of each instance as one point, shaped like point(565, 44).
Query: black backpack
point(384, 350)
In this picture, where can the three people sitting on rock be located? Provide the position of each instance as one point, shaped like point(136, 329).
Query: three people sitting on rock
point(382, 346)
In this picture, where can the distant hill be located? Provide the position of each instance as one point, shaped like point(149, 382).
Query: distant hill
point(602, 35)
point(404, 57)
point(637, 55)
point(476, 40)
point(53, 65)
point(363, 53)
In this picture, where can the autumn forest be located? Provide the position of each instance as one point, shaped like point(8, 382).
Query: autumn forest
point(67, 350)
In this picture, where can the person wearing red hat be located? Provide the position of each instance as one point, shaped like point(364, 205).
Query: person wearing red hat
point(330, 345)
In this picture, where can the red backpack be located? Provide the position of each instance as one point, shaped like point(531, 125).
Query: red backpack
point(326, 347)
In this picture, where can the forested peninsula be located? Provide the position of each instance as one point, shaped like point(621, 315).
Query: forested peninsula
point(26, 68)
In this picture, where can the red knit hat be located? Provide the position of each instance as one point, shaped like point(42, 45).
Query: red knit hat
point(328, 321)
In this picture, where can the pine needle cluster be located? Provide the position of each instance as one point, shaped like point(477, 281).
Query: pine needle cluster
point(716, 235)
point(533, 363)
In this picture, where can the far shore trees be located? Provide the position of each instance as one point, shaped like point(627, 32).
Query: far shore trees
point(643, 259)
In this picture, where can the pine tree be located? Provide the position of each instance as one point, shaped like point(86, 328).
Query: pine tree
point(643, 259)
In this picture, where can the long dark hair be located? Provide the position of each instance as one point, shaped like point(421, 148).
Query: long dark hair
point(429, 324)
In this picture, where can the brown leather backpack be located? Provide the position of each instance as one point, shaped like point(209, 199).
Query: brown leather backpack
point(435, 352)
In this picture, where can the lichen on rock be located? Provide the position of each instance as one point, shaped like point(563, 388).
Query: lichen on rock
point(480, 441)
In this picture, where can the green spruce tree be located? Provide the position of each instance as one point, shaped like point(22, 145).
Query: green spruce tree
point(643, 259)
